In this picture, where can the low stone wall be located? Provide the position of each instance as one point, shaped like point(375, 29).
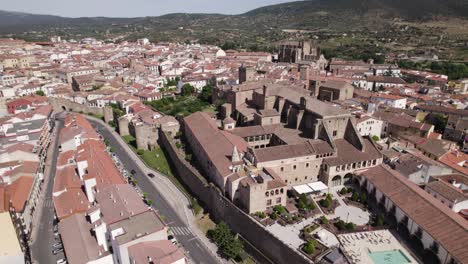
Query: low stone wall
point(60, 104)
point(223, 209)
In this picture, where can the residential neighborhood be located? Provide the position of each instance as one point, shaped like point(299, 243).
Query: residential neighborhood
point(132, 152)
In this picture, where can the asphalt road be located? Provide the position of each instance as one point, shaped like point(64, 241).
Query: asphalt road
point(41, 248)
point(193, 247)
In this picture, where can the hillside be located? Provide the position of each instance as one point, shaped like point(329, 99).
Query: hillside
point(258, 28)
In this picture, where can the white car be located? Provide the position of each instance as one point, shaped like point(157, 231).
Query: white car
point(61, 261)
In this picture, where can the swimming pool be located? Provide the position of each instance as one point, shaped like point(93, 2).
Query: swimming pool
point(389, 257)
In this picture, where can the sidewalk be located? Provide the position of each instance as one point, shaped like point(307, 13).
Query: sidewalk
point(179, 201)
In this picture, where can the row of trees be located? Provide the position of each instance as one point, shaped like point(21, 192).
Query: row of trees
point(454, 70)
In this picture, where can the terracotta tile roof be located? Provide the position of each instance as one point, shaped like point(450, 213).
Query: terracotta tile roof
point(119, 201)
point(18, 192)
point(71, 202)
point(20, 147)
point(447, 190)
point(348, 154)
point(456, 160)
point(160, 252)
point(66, 179)
point(64, 157)
point(100, 164)
point(217, 144)
point(459, 178)
point(79, 244)
point(311, 147)
point(444, 225)
point(27, 168)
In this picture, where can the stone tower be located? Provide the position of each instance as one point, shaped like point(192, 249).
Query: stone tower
point(246, 74)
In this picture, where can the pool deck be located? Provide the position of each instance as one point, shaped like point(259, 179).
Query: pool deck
point(358, 245)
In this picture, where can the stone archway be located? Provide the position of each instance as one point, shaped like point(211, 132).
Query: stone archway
point(336, 181)
point(348, 178)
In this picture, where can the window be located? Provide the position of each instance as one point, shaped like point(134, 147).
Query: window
point(278, 200)
point(282, 169)
point(294, 167)
point(335, 133)
point(269, 202)
point(307, 165)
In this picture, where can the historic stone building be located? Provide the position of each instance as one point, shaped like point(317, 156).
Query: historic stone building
point(277, 136)
point(297, 51)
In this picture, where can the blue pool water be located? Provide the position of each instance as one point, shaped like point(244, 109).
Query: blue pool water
point(389, 257)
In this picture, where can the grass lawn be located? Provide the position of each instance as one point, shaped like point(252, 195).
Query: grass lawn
point(157, 160)
point(181, 105)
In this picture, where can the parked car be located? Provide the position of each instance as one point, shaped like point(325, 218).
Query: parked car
point(172, 239)
point(56, 251)
point(151, 175)
point(133, 172)
point(61, 261)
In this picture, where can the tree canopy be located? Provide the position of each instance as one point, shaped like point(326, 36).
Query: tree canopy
point(226, 241)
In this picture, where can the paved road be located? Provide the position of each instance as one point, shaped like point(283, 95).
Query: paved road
point(190, 242)
point(41, 247)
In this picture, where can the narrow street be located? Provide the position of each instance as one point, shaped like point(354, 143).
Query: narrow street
point(171, 212)
point(43, 235)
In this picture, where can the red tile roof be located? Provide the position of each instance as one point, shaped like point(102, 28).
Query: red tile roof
point(439, 221)
point(456, 160)
point(71, 202)
point(160, 252)
point(66, 179)
point(18, 192)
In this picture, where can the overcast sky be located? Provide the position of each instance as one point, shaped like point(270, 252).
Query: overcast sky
point(132, 8)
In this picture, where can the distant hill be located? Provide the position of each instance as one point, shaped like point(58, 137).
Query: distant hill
point(265, 22)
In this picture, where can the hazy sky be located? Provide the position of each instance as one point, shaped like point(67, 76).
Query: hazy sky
point(132, 8)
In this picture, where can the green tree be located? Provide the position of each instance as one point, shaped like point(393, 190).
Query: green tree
point(233, 249)
point(206, 93)
point(228, 243)
point(274, 215)
point(375, 138)
point(261, 215)
point(40, 93)
point(343, 191)
point(380, 220)
point(279, 209)
point(187, 89)
point(350, 226)
point(439, 121)
point(341, 225)
point(355, 197)
point(325, 203)
point(324, 220)
point(309, 247)
point(363, 198)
